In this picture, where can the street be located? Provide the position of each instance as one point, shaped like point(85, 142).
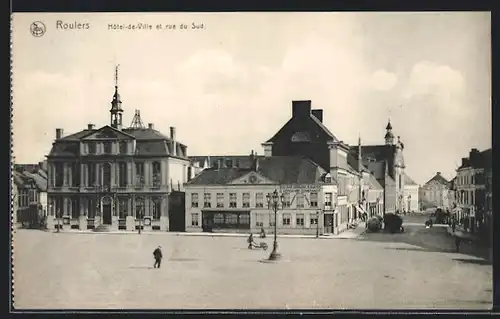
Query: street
point(412, 270)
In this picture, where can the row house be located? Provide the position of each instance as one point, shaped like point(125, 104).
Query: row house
point(473, 188)
point(120, 178)
point(29, 190)
point(234, 199)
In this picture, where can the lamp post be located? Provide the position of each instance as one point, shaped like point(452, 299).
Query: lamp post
point(274, 200)
point(409, 203)
point(317, 223)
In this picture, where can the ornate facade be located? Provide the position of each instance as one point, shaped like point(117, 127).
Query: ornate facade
point(120, 178)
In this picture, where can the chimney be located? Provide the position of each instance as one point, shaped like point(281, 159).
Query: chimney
point(90, 126)
point(59, 133)
point(172, 133)
point(40, 165)
point(172, 137)
point(151, 126)
point(438, 173)
point(301, 109)
point(318, 114)
point(255, 164)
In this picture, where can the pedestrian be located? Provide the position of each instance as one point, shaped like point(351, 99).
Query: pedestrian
point(458, 241)
point(453, 225)
point(158, 257)
point(250, 241)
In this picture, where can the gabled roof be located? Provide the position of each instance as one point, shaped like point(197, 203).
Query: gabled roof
point(374, 184)
point(280, 169)
point(314, 120)
point(439, 179)
point(409, 181)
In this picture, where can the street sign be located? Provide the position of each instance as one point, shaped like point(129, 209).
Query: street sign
point(300, 187)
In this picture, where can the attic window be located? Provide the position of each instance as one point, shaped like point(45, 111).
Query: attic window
point(301, 137)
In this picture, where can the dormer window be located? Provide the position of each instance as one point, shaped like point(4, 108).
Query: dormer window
point(328, 179)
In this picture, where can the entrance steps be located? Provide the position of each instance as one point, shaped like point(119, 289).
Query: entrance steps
point(102, 228)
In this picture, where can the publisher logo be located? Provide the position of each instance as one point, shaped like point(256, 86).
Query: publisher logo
point(37, 29)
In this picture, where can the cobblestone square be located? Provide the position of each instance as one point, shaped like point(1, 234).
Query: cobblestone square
point(54, 271)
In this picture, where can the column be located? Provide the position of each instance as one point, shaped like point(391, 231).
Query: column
point(164, 220)
point(83, 181)
point(97, 173)
point(129, 206)
point(163, 172)
point(147, 179)
point(70, 175)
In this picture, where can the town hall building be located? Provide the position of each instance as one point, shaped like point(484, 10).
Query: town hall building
point(115, 177)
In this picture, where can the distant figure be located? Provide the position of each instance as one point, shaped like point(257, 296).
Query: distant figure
point(458, 241)
point(250, 241)
point(158, 256)
point(262, 233)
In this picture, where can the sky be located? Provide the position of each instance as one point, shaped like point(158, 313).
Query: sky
point(229, 86)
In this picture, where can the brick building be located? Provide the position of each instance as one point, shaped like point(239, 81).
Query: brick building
point(117, 177)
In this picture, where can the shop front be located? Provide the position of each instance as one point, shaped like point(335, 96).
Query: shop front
point(226, 221)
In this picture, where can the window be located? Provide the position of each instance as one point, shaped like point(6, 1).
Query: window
point(259, 200)
point(139, 174)
point(206, 200)
point(194, 200)
point(246, 199)
point(328, 180)
point(313, 222)
point(59, 207)
point(218, 219)
point(328, 200)
point(59, 174)
point(219, 199)
point(313, 201)
point(156, 174)
point(91, 174)
point(32, 196)
point(122, 208)
point(122, 174)
point(75, 175)
point(92, 148)
point(92, 207)
point(271, 220)
point(139, 207)
point(259, 220)
point(286, 200)
point(107, 147)
point(300, 200)
point(232, 200)
point(195, 219)
point(231, 219)
point(287, 219)
point(229, 163)
point(244, 219)
point(299, 218)
point(123, 148)
point(155, 207)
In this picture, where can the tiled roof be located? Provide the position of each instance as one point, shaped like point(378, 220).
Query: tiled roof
point(280, 169)
point(315, 120)
point(148, 142)
point(22, 178)
point(440, 179)
point(374, 184)
point(377, 169)
point(409, 181)
point(376, 152)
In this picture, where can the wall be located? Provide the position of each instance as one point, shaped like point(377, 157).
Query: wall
point(177, 173)
point(411, 190)
point(390, 195)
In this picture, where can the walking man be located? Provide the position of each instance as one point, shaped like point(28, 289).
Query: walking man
point(158, 256)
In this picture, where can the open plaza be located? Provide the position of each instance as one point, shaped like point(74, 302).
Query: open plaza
point(413, 270)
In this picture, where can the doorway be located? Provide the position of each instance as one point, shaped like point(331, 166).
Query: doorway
point(106, 214)
point(328, 223)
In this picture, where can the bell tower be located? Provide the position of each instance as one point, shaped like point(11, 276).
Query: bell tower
point(389, 137)
point(116, 106)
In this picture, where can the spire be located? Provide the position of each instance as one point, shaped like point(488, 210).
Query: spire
point(136, 121)
point(360, 160)
point(116, 105)
point(389, 137)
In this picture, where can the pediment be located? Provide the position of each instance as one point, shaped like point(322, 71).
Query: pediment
point(107, 133)
point(252, 178)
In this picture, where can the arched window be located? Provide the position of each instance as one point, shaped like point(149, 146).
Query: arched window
point(301, 137)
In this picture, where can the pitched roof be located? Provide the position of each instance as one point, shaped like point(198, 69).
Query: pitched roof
point(237, 160)
point(375, 152)
point(24, 178)
point(280, 169)
point(409, 181)
point(438, 178)
point(314, 120)
point(374, 184)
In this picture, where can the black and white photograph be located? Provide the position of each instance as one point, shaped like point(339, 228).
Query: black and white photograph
point(251, 161)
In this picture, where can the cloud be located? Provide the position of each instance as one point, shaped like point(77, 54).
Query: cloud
point(381, 80)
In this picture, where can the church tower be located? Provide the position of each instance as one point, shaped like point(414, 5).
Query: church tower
point(389, 137)
point(116, 106)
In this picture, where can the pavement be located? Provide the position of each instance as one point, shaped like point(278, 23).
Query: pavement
point(411, 270)
point(347, 234)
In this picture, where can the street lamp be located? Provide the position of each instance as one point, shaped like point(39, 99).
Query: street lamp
point(317, 223)
point(274, 200)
